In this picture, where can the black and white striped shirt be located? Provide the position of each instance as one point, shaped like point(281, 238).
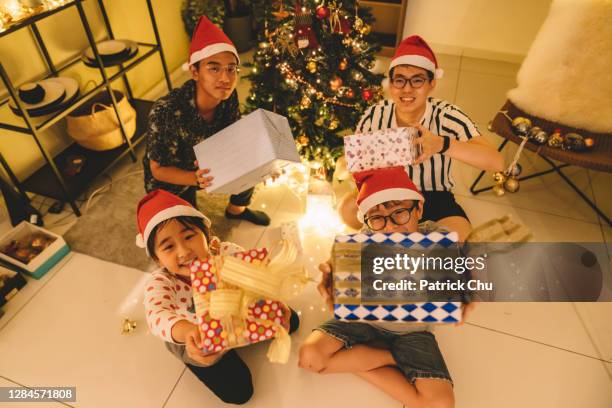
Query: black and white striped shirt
point(441, 118)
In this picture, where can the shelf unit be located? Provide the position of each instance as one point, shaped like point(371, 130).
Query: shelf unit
point(48, 180)
point(389, 22)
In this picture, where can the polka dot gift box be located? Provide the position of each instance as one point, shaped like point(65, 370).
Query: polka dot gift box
point(231, 315)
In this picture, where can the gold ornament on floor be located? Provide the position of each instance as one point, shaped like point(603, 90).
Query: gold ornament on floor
point(311, 66)
point(511, 185)
point(515, 170)
point(574, 142)
point(128, 326)
point(499, 177)
point(498, 190)
point(555, 139)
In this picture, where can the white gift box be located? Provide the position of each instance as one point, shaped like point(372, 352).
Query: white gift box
point(42, 262)
point(247, 152)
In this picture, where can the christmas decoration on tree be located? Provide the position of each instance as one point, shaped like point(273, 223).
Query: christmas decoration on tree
point(313, 65)
point(193, 9)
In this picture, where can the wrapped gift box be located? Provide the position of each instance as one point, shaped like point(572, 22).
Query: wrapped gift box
point(247, 152)
point(32, 249)
point(230, 315)
point(381, 149)
point(347, 280)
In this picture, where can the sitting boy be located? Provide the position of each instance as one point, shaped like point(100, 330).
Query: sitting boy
point(409, 367)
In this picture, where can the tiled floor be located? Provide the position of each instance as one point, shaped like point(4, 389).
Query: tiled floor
point(65, 328)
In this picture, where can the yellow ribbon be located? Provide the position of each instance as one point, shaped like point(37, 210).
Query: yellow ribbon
point(224, 303)
point(280, 348)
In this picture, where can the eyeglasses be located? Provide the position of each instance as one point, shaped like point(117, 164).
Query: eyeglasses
point(400, 82)
point(400, 216)
point(216, 70)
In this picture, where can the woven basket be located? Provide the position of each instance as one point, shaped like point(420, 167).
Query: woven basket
point(95, 126)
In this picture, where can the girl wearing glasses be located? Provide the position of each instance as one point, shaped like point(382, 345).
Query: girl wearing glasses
point(446, 134)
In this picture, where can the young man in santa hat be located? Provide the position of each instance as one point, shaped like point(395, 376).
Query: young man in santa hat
point(410, 368)
point(189, 114)
point(447, 134)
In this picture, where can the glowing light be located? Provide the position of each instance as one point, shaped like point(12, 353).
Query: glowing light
point(321, 219)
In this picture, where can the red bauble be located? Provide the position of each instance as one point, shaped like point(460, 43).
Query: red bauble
point(322, 12)
point(367, 94)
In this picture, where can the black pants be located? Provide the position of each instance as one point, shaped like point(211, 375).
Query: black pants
point(230, 378)
point(241, 199)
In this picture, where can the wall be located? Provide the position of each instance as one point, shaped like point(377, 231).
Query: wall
point(499, 29)
point(65, 38)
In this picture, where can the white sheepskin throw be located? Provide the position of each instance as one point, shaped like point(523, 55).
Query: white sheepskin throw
point(567, 74)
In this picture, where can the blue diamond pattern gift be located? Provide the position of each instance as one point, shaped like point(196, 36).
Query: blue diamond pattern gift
point(351, 306)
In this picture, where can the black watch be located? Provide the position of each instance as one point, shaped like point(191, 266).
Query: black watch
point(446, 144)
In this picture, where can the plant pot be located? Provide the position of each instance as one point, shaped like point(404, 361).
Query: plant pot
point(239, 30)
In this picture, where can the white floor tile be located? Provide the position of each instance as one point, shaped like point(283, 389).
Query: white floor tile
point(596, 319)
point(496, 370)
point(545, 227)
point(481, 95)
point(20, 404)
point(538, 322)
point(70, 334)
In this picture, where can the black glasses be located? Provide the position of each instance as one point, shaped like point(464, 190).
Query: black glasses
point(400, 216)
point(416, 81)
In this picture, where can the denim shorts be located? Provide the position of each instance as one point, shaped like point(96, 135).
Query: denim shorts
point(416, 353)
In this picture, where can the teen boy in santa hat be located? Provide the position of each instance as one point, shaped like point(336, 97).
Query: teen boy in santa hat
point(410, 368)
point(447, 134)
point(187, 115)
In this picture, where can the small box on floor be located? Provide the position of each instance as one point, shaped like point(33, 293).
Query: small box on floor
point(247, 152)
point(10, 283)
point(381, 149)
point(355, 297)
point(32, 249)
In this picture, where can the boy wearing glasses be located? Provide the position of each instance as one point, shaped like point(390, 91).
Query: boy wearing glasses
point(187, 115)
point(401, 359)
point(447, 134)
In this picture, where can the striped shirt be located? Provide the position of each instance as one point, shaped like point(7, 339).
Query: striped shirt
point(441, 118)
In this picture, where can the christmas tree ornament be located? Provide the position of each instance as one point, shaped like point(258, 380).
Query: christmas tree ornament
point(366, 29)
point(499, 177)
point(304, 36)
point(574, 142)
point(367, 94)
point(335, 83)
point(515, 170)
point(555, 140)
point(589, 142)
point(264, 44)
point(498, 190)
point(347, 41)
point(333, 124)
point(521, 125)
point(311, 66)
point(540, 137)
point(281, 13)
point(511, 185)
point(343, 64)
point(305, 102)
point(303, 140)
point(358, 76)
point(350, 93)
point(322, 12)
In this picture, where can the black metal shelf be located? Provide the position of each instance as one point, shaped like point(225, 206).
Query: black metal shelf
point(44, 182)
point(49, 180)
point(45, 122)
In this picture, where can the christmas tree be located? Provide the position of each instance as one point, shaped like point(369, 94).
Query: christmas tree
point(313, 65)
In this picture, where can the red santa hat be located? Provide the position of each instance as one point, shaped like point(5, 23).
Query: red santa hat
point(159, 206)
point(381, 185)
point(207, 40)
point(414, 51)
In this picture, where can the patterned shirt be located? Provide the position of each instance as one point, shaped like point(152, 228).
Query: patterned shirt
point(441, 118)
point(175, 126)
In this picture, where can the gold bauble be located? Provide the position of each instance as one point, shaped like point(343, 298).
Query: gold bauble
point(311, 66)
point(498, 190)
point(343, 64)
point(335, 83)
point(366, 29)
point(305, 102)
point(333, 124)
point(358, 24)
point(303, 140)
point(511, 185)
point(555, 140)
point(347, 41)
point(499, 177)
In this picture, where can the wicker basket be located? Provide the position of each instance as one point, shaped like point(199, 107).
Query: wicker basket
point(95, 125)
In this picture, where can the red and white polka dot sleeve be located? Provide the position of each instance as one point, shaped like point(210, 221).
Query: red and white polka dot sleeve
point(161, 306)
